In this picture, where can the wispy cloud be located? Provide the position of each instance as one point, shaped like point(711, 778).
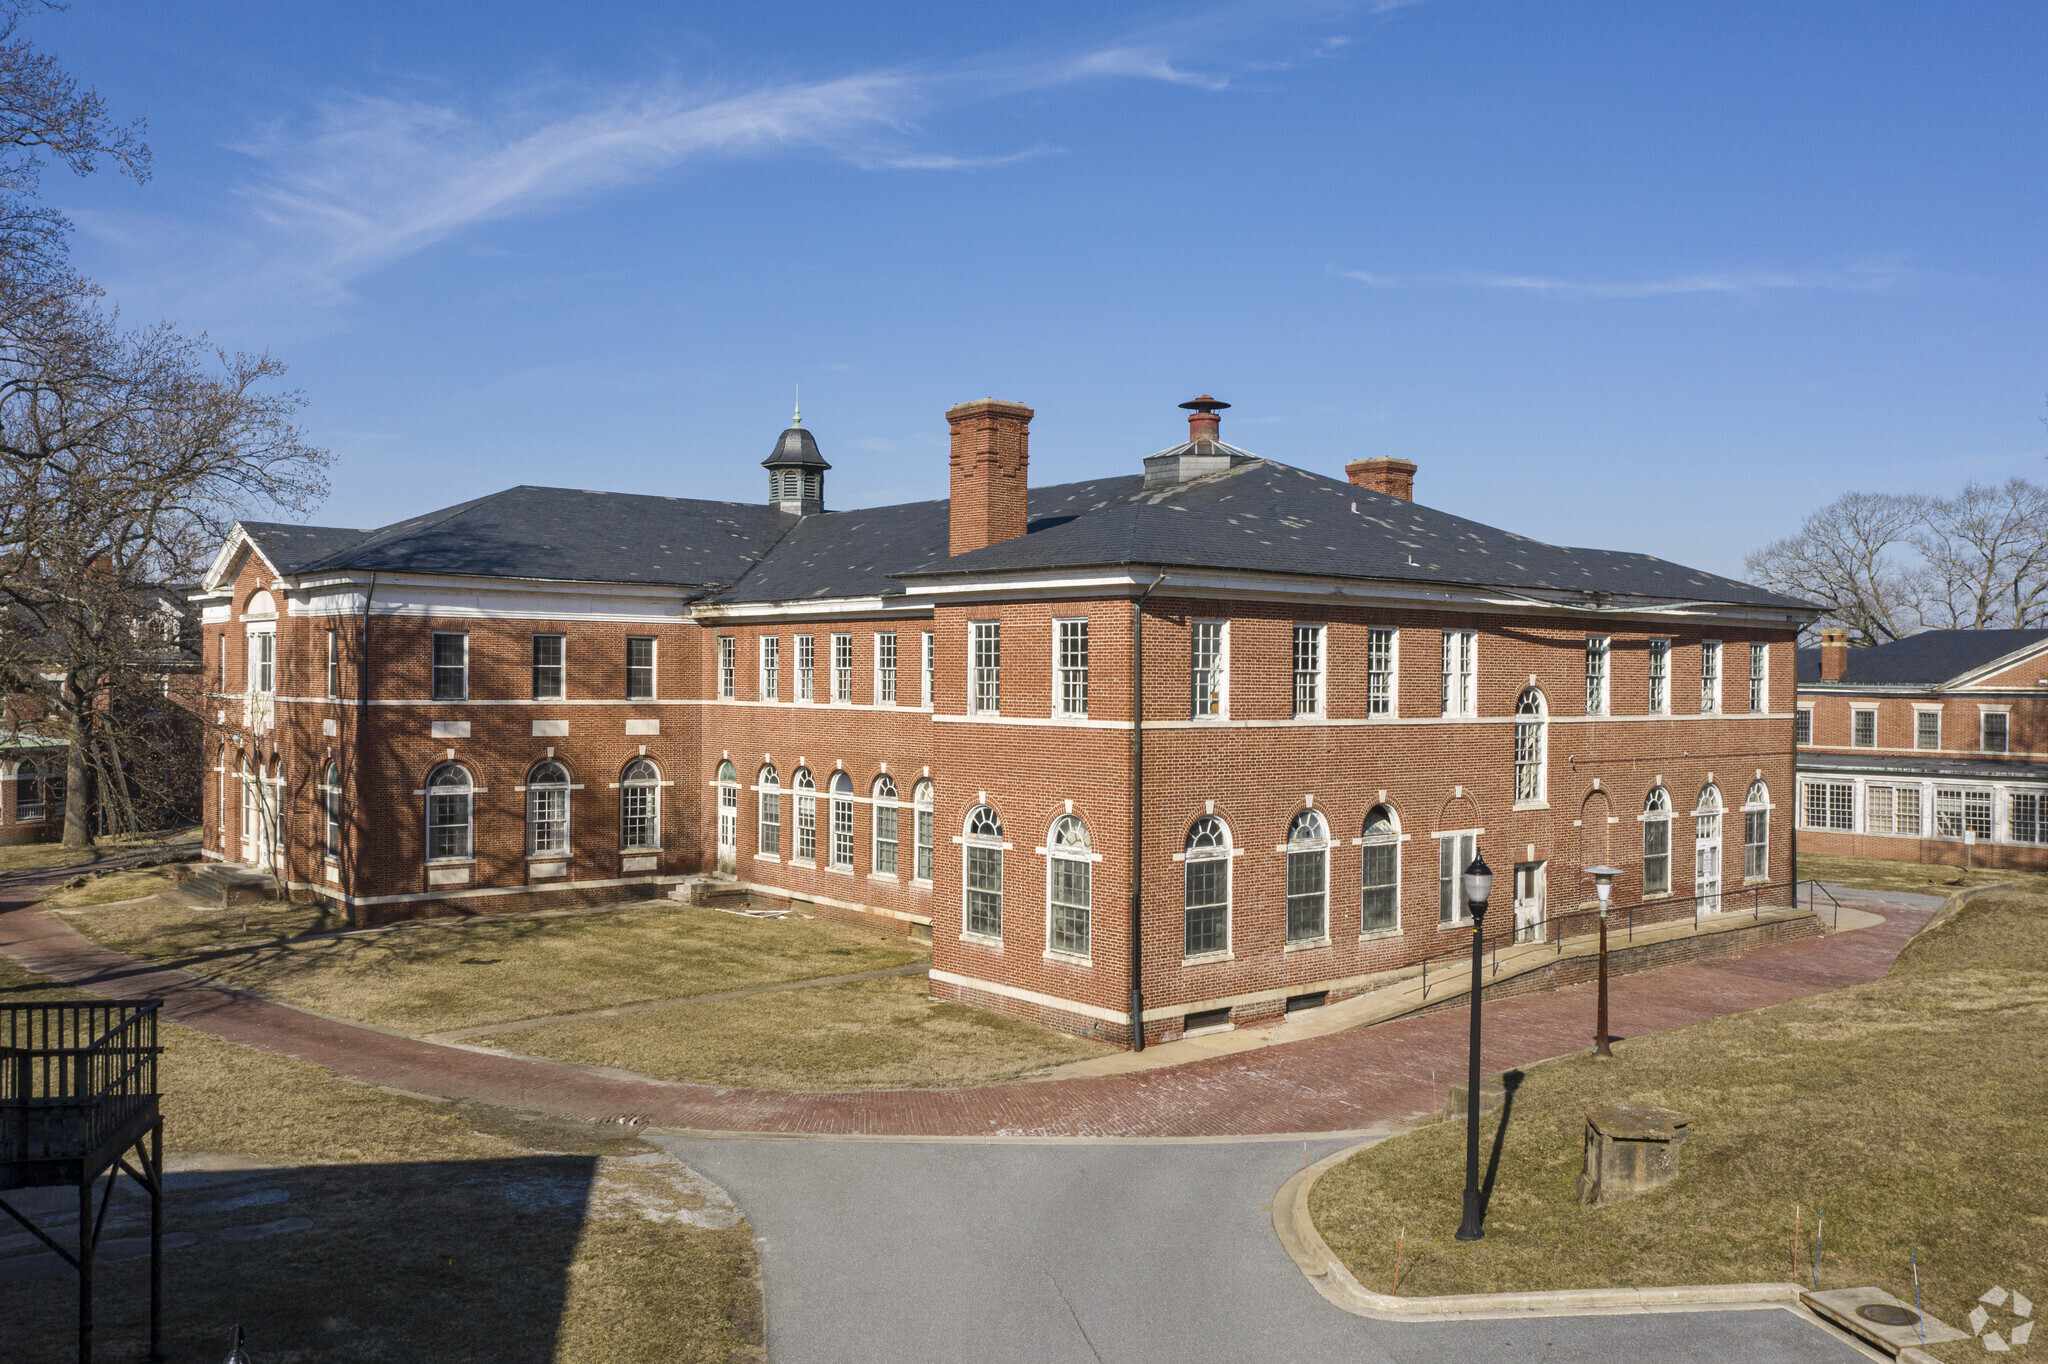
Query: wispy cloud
point(947, 161)
point(1865, 277)
point(1144, 63)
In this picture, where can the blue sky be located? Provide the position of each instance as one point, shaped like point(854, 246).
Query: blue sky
point(1645, 276)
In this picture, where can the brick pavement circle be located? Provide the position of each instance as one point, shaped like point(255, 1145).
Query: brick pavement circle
point(1344, 1083)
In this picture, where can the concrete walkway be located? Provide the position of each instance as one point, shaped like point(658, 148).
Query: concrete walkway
point(1346, 1083)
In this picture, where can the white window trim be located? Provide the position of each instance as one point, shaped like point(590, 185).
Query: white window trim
point(1047, 856)
point(1855, 711)
point(832, 669)
point(1606, 700)
point(1322, 706)
point(1463, 915)
point(1807, 710)
point(536, 637)
point(1393, 673)
point(1400, 870)
point(797, 671)
point(1984, 711)
point(1650, 652)
point(761, 688)
point(1763, 651)
point(1058, 712)
point(725, 683)
point(1720, 656)
point(1470, 709)
point(927, 668)
point(1228, 857)
point(1936, 711)
point(896, 686)
point(653, 668)
point(268, 630)
point(974, 706)
point(1221, 680)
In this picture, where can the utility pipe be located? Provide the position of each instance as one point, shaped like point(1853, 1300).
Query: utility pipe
point(1138, 815)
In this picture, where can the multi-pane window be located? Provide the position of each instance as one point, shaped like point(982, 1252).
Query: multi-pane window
point(1657, 843)
point(1454, 853)
point(1308, 670)
point(330, 800)
point(985, 662)
point(2026, 817)
point(451, 667)
point(449, 806)
point(640, 805)
point(1710, 677)
point(1071, 643)
point(1830, 805)
point(1802, 725)
point(983, 872)
point(771, 667)
point(1379, 672)
point(726, 649)
point(1597, 649)
point(547, 809)
point(1460, 684)
point(885, 669)
point(1205, 888)
point(1995, 731)
point(1891, 810)
point(1756, 834)
point(1863, 728)
point(1960, 810)
point(806, 668)
point(1379, 872)
point(842, 821)
point(1660, 677)
point(1532, 724)
point(1759, 679)
point(1067, 886)
point(1205, 668)
point(1927, 729)
point(770, 783)
point(921, 802)
point(842, 668)
point(548, 667)
point(885, 825)
point(1308, 878)
point(639, 668)
point(263, 662)
point(806, 817)
point(333, 664)
point(930, 668)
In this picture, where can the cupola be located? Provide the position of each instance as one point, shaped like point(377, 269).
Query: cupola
point(1202, 454)
point(796, 471)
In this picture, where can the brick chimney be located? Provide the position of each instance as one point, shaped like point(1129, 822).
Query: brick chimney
point(1834, 655)
point(991, 461)
point(1393, 477)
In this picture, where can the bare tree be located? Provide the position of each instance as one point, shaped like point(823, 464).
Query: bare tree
point(1985, 557)
point(1847, 557)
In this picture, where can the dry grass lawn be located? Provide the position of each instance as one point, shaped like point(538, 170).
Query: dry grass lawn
point(441, 1231)
point(874, 1034)
point(40, 856)
point(1910, 1109)
point(109, 888)
point(1876, 873)
point(431, 975)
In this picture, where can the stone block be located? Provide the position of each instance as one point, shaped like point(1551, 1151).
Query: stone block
point(1631, 1148)
point(1493, 1092)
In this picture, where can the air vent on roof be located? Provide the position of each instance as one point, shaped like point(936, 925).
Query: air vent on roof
point(1203, 454)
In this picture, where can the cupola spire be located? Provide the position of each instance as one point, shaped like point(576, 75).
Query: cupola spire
point(796, 470)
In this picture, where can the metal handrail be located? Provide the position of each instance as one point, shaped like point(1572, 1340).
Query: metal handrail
point(72, 1075)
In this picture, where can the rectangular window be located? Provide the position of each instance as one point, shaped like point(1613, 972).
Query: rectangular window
point(1308, 670)
point(885, 669)
point(1308, 887)
point(1454, 853)
point(1863, 728)
point(771, 667)
point(639, 668)
point(547, 819)
point(771, 823)
point(842, 834)
point(1072, 645)
point(1660, 677)
point(263, 663)
point(806, 668)
point(333, 664)
point(1759, 679)
point(451, 667)
point(1460, 682)
point(1891, 810)
point(842, 668)
point(1756, 844)
point(1597, 647)
point(1830, 805)
point(806, 824)
point(1962, 809)
point(1380, 871)
point(1206, 920)
point(1710, 676)
point(2026, 820)
point(1802, 725)
point(924, 840)
point(931, 666)
point(885, 839)
point(1379, 672)
point(1657, 855)
point(1205, 668)
point(1995, 736)
point(985, 891)
point(1927, 729)
point(1067, 898)
point(548, 667)
point(726, 681)
point(986, 667)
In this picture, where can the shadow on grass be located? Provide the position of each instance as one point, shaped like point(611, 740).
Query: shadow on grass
point(1509, 1083)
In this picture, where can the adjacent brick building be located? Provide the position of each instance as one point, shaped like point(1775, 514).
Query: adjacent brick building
point(1933, 748)
point(922, 716)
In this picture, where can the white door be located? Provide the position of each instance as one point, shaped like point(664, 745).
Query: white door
point(255, 828)
point(728, 828)
point(1529, 889)
point(1706, 865)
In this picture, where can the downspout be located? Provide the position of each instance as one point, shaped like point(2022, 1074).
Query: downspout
point(348, 845)
point(1138, 815)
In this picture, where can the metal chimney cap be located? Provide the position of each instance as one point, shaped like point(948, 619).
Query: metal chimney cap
point(1205, 403)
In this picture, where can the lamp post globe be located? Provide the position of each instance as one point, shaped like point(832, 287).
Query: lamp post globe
point(1478, 887)
point(1603, 884)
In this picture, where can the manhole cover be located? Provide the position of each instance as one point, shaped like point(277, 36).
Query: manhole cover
point(1888, 1314)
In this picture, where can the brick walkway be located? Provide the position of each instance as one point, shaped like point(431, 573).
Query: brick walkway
point(1339, 1083)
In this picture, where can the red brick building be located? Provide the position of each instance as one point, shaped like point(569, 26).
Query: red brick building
point(922, 715)
point(1933, 748)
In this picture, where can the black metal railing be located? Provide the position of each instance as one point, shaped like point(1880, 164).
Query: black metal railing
point(1624, 919)
point(73, 1075)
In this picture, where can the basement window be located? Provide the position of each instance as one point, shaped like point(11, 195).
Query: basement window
point(1296, 1003)
point(1205, 1020)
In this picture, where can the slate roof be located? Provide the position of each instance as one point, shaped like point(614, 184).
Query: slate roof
point(796, 447)
point(1928, 659)
point(291, 549)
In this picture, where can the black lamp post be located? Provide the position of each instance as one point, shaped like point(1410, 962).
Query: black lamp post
point(1478, 887)
point(1603, 882)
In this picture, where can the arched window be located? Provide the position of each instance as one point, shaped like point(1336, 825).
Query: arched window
point(770, 783)
point(1657, 843)
point(842, 821)
point(330, 801)
point(1532, 724)
point(1205, 888)
point(1308, 878)
point(1756, 833)
point(982, 849)
point(547, 808)
point(640, 802)
point(1379, 848)
point(921, 798)
point(885, 825)
point(806, 817)
point(451, 803)
point(1069, 862)
point(1706, 852)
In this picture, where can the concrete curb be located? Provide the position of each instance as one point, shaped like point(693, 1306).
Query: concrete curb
point(1313, 1256)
